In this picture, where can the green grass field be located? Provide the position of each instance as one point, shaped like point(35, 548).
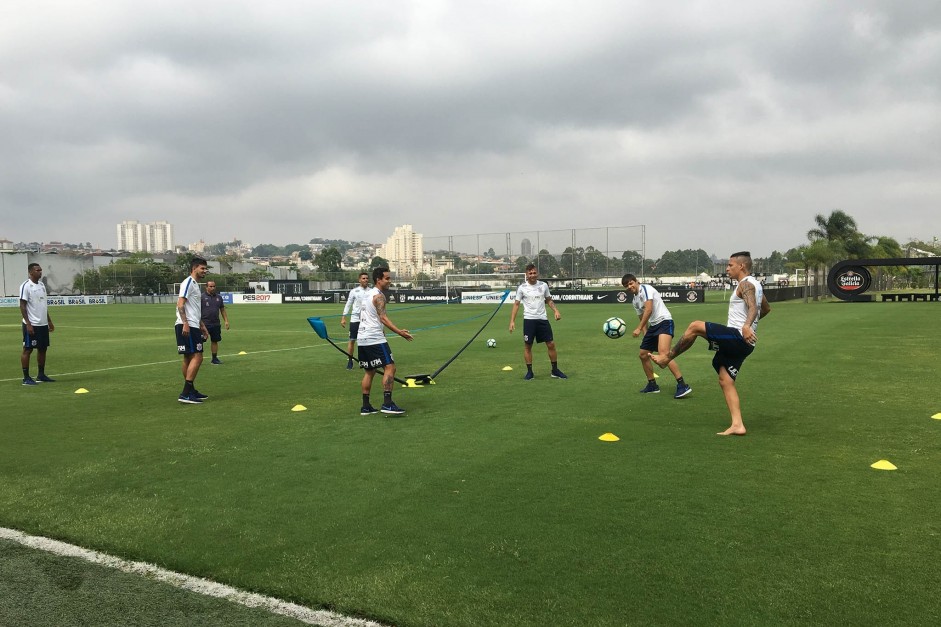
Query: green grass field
point(492, 502)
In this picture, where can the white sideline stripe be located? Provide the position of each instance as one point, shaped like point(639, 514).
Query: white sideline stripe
point(324, 618)
point(169, 361)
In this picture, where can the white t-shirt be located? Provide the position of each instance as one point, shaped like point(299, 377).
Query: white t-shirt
point(738, 310)
point(533, 298)
point(659, 313)
point(189, 289)
point(370, 326)
point(354, 302)
point(35, 296)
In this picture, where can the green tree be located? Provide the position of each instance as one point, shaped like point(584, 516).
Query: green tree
point(547, 264)
point(305, 254)
point(329, 259)
point(378, 262)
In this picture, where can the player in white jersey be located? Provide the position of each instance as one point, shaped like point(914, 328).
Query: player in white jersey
point(354, 303)
point(534, 294)
point(36, 324)
point(734, 341)
point(656, 324)
point(191, 331)
point(374, 351)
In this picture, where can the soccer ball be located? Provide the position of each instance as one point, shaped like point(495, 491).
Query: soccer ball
point(614, 328)
point(491, 343)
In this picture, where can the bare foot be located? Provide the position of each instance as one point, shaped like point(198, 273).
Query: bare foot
point(733, 431)
point(660, 360)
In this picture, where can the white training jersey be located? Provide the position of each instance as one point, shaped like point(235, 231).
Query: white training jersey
point(533, 298)
point(738, 310)
point(193, 307)
point(35, 296)
point(354, 302)
point(370, 326)
point(659, 313)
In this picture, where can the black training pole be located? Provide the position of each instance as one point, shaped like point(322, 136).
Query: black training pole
point(448, 362)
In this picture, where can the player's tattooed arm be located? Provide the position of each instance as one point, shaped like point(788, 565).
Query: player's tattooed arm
point(751, 302)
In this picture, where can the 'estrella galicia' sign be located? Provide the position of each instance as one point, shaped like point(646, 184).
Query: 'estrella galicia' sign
point(853, 280)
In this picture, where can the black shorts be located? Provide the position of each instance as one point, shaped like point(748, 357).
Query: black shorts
point(215, 332)
point(731, 348)
point(651, 341)
point(375, 356)
point(537, 330)
point(189, 344)
point(39, 338)
point(354, 329)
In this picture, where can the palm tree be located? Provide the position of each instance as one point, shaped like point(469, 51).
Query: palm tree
point(839, 226)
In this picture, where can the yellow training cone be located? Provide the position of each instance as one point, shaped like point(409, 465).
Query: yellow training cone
point(81, 391)
point(411, 383)
point(242, 353)
point(937, 416)
point(298, 408)
point(656, 376)
point(609, 437)
point(884, 464)
point(505, 368)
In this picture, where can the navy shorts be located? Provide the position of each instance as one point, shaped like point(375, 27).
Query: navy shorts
point(651, 341)
point(536, 330)
point(39, 338)
point(375, 356)
point(215, 332)
point(731, 348)
point(189, 344)
point(354, 329)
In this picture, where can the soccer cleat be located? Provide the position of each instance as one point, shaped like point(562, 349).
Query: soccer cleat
point(392, 409)
point(652, 388)
point(199, 395)
point(189, 399)
point(529, 375)
point(216, 361)
point(682, 390)
point(368, 410)
point(558, 374)
point(44, 379)
point(29, 381)
point(349, 365)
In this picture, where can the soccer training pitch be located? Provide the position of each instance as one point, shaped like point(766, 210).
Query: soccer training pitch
point(492, 501)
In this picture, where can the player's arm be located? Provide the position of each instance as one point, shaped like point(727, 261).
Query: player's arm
point(225, 316)
point(516, 308)
point(747, 293)
point(52, 327)
point(347, 308)
point(765, 308)
point(380, 302)
point(181, 310)
point(644, 317)
point(551, 304)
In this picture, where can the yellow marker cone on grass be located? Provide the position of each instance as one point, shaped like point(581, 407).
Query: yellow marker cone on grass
point(884, 464)
point(81, 391)
point(608, 437)
point(242, 353)
point(937, 416)
point(656, 376)
point(505, 368)
point(298, 408)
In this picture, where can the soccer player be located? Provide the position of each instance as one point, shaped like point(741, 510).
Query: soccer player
point(37, 325)
point(534, 294)
point(734, 341)
point(657, 325)
point(354, 302)
point(191, 331)
point(374, 351)
point(212, 307)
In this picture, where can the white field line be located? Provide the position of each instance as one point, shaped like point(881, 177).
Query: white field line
point(169, 361)
point(307, 615)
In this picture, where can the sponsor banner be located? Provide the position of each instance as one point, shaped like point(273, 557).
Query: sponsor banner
point(483, 298)
point(226, 297)
point(306, 298)
point(14, 301)
point(608, 297)
point(853, 280)
point(418, 296)
point(256, 299)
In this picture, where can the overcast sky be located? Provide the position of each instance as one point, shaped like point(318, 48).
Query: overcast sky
point(719, 125)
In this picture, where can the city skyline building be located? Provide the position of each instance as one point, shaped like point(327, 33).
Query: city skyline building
point(154, 237)
point(404, 250)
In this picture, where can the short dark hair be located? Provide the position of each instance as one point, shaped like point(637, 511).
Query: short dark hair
point(197, 261)
point(378, 272)
point(627, 278)
point(363, 273)
point(530, 266)
point(30, 267)
point(745, 258)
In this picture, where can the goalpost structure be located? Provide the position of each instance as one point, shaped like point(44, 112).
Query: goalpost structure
point(481, 283)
